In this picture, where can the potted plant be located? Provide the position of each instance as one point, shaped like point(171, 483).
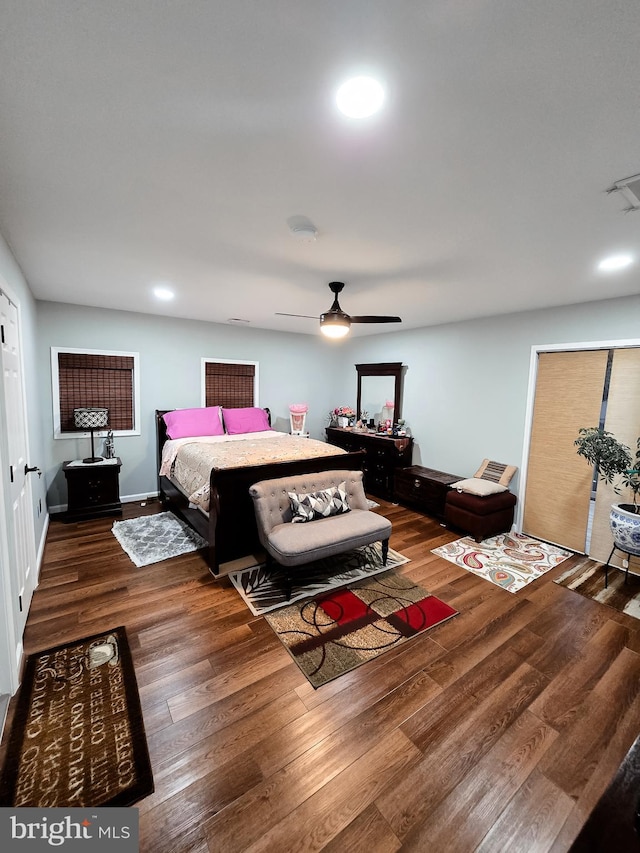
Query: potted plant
point(612, 459)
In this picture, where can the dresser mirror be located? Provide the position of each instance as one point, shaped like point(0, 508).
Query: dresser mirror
point(378, 384)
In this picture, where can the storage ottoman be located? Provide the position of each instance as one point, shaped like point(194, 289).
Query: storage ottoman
point(481, 517)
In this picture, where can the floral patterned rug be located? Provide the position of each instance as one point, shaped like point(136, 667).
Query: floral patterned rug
point(510, 560)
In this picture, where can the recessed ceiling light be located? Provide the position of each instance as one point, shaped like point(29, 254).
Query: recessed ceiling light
point(360, 97)
point(615, 262)
point(305, 233)
point(163, 292)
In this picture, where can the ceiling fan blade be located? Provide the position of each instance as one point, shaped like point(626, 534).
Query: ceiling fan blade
point(308, 316)
point(371, 319)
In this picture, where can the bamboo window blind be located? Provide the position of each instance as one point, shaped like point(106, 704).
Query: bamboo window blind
point(568, 396)
point(96, 380)
point(229, 385)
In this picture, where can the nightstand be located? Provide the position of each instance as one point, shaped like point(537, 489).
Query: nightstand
point(93, 490)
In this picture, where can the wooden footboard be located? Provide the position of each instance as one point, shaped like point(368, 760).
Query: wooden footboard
point(232, 525)
point(231, 528)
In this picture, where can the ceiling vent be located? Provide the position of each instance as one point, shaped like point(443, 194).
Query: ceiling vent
point(630, 189)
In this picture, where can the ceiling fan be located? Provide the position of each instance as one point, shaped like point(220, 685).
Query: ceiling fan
point(335, 323)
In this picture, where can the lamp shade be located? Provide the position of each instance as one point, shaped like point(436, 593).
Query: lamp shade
point(90, 418)
point(334, 325)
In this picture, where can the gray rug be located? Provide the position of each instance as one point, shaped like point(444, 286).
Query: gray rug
point(264, 591)
point(153, 538)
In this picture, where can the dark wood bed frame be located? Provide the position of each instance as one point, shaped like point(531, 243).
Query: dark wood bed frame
point(230, 529)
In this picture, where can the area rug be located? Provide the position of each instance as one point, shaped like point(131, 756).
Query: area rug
point(264, 590)
point(336, 632)
point(511, 560)
point(77, 738)
point(153, 538)
point(588, 580)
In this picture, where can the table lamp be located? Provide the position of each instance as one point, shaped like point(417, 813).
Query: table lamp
point(91, 419)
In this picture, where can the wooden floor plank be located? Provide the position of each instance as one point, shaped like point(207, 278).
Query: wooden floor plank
point(498, 730)
point(559, 704)
point(368, 832)
point(477, 802)
point(580, 746)
point(331, 809)
point(262, 808)
point(406, 805)
point(532, 819)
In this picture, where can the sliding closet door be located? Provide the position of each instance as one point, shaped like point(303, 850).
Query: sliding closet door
point(623, 420)
point(568, 396)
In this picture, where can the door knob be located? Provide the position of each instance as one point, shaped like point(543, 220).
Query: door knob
point(28, 470)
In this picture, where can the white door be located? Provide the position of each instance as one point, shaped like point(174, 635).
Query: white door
point(21, 576)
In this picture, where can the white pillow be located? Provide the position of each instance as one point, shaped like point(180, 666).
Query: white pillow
point(481, 488)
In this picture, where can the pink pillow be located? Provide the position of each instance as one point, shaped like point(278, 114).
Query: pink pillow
point(185, 423)
point(245, 420)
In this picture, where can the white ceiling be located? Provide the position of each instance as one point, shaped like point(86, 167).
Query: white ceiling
point(150, 140)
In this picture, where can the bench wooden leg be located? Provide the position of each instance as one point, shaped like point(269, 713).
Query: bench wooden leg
point(385, 551)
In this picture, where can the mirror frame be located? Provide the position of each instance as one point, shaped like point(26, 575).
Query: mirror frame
point(382, 368)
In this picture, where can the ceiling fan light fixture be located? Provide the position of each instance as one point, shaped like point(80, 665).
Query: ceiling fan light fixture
point(334, 326)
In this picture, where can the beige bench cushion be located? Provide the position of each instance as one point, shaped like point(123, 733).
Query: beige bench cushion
point(296, 544)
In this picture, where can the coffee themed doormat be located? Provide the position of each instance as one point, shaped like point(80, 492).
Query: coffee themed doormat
point(77, 736)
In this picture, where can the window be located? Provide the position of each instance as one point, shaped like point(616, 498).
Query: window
point(87, 378)
point(232, 384)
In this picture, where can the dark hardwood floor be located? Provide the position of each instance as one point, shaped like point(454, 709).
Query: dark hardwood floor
point(497, 731)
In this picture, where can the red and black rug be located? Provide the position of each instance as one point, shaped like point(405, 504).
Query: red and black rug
point(333, 633)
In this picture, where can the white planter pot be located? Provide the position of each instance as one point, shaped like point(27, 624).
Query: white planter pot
point(625, 527)
point(343, 422)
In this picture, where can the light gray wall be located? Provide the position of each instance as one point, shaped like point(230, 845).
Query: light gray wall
point(465, 387)
point(293, 369)
point(15, 283)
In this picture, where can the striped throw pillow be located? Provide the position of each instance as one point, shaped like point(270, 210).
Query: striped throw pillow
point(497, 472)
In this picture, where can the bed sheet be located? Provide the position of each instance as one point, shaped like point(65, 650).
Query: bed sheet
point(189, 461)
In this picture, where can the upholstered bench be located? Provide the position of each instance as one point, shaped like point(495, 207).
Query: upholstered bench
point(294, 544)
point(481, 517)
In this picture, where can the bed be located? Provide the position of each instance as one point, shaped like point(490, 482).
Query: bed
point(219, 507)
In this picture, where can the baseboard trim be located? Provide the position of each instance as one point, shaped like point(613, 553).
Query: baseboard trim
point(43, 542)
point(125, 499)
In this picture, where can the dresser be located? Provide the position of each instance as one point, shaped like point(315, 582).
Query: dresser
point(93, 490)
point(383, 456)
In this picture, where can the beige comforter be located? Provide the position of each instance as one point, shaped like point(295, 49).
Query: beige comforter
point(189, 462)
